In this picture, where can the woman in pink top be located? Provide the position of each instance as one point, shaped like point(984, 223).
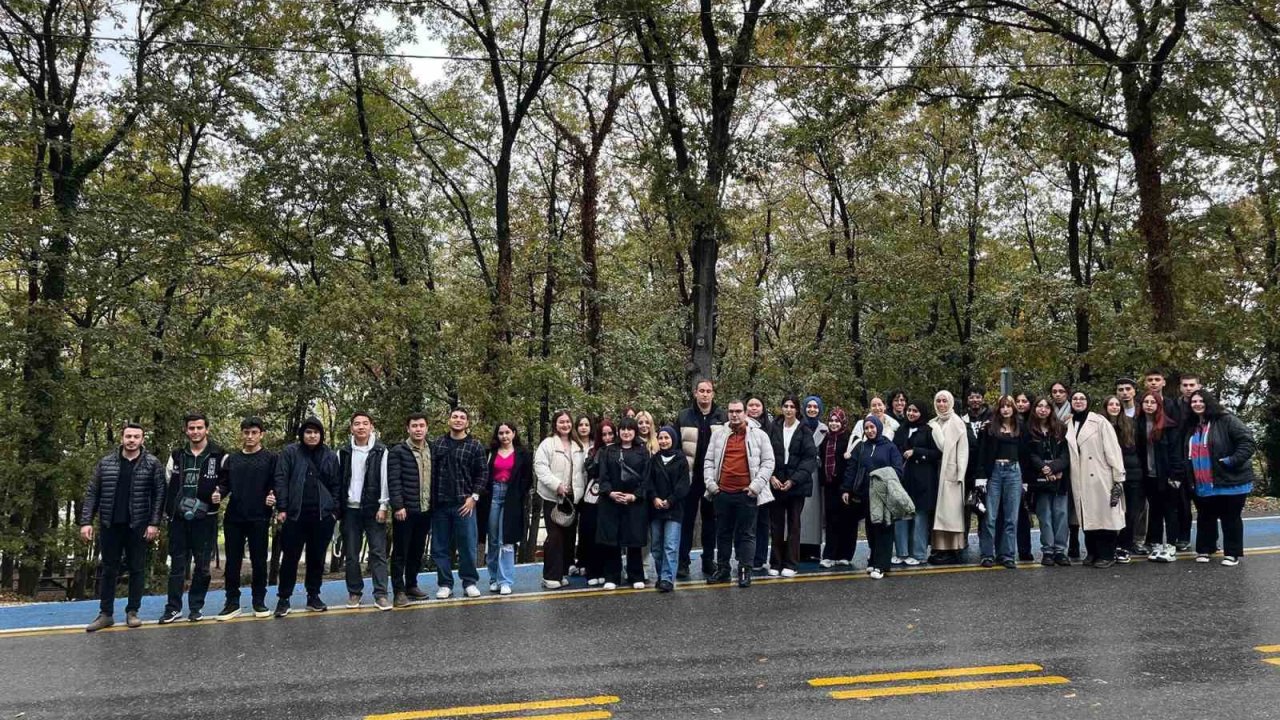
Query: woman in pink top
point(511, 469)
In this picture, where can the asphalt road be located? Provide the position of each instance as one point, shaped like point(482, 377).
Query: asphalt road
point(1142, 641)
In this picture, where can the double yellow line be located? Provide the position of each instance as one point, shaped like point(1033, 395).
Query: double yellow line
point(521, 707)
point(877, 688)
point(1267, 650)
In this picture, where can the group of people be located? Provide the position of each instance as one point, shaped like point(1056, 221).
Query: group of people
point(913, 474)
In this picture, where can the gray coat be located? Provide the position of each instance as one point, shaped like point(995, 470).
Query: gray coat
point(889, 500)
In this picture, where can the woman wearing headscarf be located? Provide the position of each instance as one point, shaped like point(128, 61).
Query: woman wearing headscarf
point(1219, 453)
point(842, 530)
point(1097, 480)
point(813, 517)
point(875, 451)
point(666, 488)
point(877, 408)
point(952, 439)
point(792, 481)
point(920, 455)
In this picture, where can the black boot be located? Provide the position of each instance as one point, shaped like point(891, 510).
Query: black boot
point(744, 577)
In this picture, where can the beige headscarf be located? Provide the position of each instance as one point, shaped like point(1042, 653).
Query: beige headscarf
point(947, 427)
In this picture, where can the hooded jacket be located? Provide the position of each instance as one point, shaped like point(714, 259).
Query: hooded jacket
point(296, 463)
point(760, 462)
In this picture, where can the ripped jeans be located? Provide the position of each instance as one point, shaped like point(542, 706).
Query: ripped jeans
point(499, 555)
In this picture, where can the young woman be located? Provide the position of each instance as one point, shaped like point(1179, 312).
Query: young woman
point(1133, 497)
point(920, 455)
point(795, 464)
point(667, 485)
point(584, 434)
point(813, 516)
point(558, 465)
point(511, 472)
point(1048, 464)
point(647, 431)
point(1158, 451)
point(757, 416)
point(1097, 481)
point(1000, 453)
point(588, 549)
point(1022, 403)
point(874, 452)
point(898, 406)
point(841, 529)
point(878, 410)
point(623, 518)
point(1219, 453)
point(952, 438)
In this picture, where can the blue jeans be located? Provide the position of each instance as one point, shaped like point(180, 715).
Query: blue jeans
point(664, 545)
point(911, 536)
point(1004, 488)
point(1051, 509)
point(450, 530)
point(499, 555)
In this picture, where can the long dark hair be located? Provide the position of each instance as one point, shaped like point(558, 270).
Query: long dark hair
point(591, 424)
point(494, 444)
point(1121, 422)
point(997, 423)
point(1050, 426)
point(1031, 405)
point(598, 442)
point(1212, 408)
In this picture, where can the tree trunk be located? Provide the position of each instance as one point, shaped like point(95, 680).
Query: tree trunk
point(590, 271)
point(1078, 272)
point(1153, 224)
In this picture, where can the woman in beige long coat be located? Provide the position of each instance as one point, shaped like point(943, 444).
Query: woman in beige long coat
point(1097, 480)
point(951, 437)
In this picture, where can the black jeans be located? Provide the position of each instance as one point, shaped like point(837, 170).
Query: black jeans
point(842, 526)
point(408, 544)
point(879, 537)
point(1185, 491)
point(1225, 509)
point(1134, 499)
point(190, 541)
point(296, 535)
point(708, 534)
point(762, 536)
point(589, 557)
point(356, 527)
point(236, 533)
point(1163, 520)
point(1101, 544)
point(784, 519)
point(612, 555)
point(736, 521)
point(132, 543)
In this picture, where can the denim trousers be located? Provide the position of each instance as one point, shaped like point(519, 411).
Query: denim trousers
point(1051, 509)
point(1004, 489)
point(450, 531)
point(499, 555)
point(911, 536)
point(664, 546)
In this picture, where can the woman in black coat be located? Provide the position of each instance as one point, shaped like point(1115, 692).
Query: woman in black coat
point(666, 487)
point(1219, 450)
point(511, 475)
point(842, 520)
point(921, 457)
point(1134, 498)
point(1048, 470)
point(623, 516)
point(1159, 444)
point(795, 464)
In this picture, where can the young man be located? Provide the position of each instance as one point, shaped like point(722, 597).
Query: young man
point(1127, 393)
point(126, 491)
point(409, 485)
point(695, 425)
point(365, 492)
point(738, 465)
point(459, 476)
point(249, 478)
point(308, 495)
point(976, 421)
point(1188, 385)
point(191, 503)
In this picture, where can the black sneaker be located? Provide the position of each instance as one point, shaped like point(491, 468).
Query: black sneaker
point(1046, 560)
point(708, 567)
point(665, 586)
point(195, 616)
point(744, 578)
point(1122, 557)
point(315, 604)
point(1027, 557)
point(1103, 564)
point(229, 611)
point(414, 593)
point(170, 616)
point(1088, 560)
point(682, 572)
point(988, 562)
point(1183, 546)
point(1062, 561)
point(282, 607)
point(1141, 550)
point(718, 577)
point(260, 610)
point(1009, 564)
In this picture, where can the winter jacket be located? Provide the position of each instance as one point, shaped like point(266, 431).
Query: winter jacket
point(1168, 462)
point(889, 502)
point(867, 458)
point(513, 506)
point(459, 469)
point(841, 462)
point(668, 479)
point(617, 524)
point(291, 479)
point(210, 477)
point(801, 464)
point(1052, 451)
point(920, 471)
point(1132, 463)
point(695, 435)
point(376, 471)
point(1229, 439)
point(146, 496)
point(760, 462)
point(404, 483)
point(553, 467)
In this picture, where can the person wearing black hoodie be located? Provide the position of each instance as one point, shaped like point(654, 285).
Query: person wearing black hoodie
point(921, 457)
point(249, 476)
point(192, 496)
point(308, 489)
point(1134, 499)
point(792, 481)
point(666, 489)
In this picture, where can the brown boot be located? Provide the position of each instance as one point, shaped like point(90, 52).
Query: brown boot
point(99, 623)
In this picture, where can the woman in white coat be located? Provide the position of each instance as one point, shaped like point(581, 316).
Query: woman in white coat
point(1097, 480)
point(952, 438)
point(557, 469)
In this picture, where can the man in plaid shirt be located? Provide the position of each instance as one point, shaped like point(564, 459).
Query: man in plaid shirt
point(459, 476)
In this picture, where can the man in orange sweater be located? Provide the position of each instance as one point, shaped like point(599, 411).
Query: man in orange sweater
point(737, 469)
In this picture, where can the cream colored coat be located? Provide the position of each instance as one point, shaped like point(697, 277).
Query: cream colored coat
point(1096, 464)
point(952, 439)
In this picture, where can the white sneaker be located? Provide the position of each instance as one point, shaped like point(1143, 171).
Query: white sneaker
point(472, 591)
point(825, 563)
point(844, 562)
point(493, 587)
point(788, 573)
point(504, 590)
point(773, 573)
point(1170, 553)
point(911, 561)
point(573, 570)
point(593, 582)
point(895, 560)
point(876, 574)
point(1202, 558)
point(444, 593)
point(551, 584)
point(637, 586)
point(1230, 561)
point(1157, 554)
point(610, 586)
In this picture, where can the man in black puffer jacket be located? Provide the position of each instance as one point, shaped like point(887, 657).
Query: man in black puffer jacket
point(409, 484)
point(126, 491)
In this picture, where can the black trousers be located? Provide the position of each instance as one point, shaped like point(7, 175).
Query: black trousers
point(736, 521)
point(236, 533)
point(784, 521)
point(1101, 544)
point(556, 556)
point(117, 540)
point(190, 541)
point(708, 534)
point(879, 538)
point(762, 537)
point(589, 557)
point(842, 526)
point(408, 544)
point(1163, 520)
point(1185, 491)
point(1223, 509)
point(1134, 500)
point(613, 564)
point(314, 537)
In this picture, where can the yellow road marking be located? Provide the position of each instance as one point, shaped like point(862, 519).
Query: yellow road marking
point(894, 691)
point(926, 674)
point(1273, 661)
point(511, 707)
point(1268, 648)
point(588, 715)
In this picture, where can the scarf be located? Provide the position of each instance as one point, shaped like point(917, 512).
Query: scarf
point(1201, 463)
point(812, 422)
point(947, 428)
point(834, 441)
point(670, 452)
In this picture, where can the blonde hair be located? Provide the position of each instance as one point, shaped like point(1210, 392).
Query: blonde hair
point(650, 442)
